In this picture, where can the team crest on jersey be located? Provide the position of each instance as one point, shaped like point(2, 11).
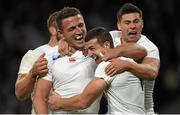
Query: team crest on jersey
point(55, 57)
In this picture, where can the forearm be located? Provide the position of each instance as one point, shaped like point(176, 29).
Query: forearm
point(132, 50)
point(92, 91)
point(24, 86)
point(40, 105)
point(73, 103)
point(41, 94)
point(144, 71)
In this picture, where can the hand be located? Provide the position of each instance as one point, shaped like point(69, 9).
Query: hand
point(64, 48)
point(109, 54)
point(116, 66)
point(40, 66)
point(53, 101)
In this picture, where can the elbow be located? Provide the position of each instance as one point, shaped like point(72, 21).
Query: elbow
point(20, 96)
point(152, 75)
point(85, 103)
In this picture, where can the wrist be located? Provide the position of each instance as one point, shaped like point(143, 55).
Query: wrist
point(118, 52)
point(32, 74)
point(128, 66)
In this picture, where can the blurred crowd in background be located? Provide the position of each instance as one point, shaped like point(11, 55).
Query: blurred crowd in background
point(23, 27)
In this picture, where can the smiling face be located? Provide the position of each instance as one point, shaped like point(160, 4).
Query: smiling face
point(131, 25)
point(74, 31)
point(93, 48)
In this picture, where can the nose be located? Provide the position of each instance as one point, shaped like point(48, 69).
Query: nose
point(79, 30)
point(132, 25)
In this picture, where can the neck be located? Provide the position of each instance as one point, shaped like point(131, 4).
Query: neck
point(53, 41)
point(122, 41)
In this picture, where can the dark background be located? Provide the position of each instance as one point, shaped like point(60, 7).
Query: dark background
point(23, 27)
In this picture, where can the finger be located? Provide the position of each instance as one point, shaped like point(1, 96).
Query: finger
point(42, 55)
point(113, 73)
point(42, 63)
point(44, 71)
point(43, 67)
point(41, 59)
point(105, 58)
point(108, 69)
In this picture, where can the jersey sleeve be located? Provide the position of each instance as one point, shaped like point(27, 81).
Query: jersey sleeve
point(48, 76)
point(152, 50)
point(51, 56)
point(100, 72)
point(27, 62)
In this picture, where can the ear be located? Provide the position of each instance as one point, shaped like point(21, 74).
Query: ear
point(118, 25)
point(60, 34)
point(52, 31)
point(142, 23)
point(106, 44)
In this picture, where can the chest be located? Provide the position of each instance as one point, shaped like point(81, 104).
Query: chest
point(65, 69)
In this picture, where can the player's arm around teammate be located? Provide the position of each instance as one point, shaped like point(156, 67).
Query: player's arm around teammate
point(25, 82)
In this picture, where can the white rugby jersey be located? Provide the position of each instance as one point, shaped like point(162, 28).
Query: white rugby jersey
point(153, 52)
point(70, 75)
point(124, 93)
point(28, 60)
point(30, 57)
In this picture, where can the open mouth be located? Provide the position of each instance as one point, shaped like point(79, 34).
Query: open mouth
point(132, 33)
point(79, 37)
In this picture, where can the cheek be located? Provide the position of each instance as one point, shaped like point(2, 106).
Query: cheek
point(89, 52)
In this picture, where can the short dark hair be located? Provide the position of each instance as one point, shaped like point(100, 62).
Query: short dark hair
point(101, 34)
point(65, 13)
point(128, 8)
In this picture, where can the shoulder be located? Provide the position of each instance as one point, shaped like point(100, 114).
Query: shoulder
point(148, 44)
point(42, 49)
point(100, 70)
point(145, 40)
point(151, 48)
point(103, 64)
point(116, 35)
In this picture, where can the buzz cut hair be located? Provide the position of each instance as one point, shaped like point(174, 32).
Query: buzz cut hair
point(65, 13)
point(128, 8)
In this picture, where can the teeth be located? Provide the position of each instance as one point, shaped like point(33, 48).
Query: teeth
point(78, 37)
point(101, 54)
